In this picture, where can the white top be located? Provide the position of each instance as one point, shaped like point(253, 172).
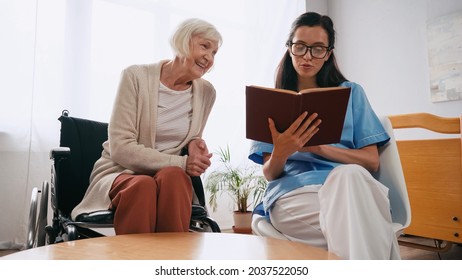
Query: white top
point(174, 113)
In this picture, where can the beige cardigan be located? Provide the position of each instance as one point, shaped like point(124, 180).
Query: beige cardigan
point(132, 133)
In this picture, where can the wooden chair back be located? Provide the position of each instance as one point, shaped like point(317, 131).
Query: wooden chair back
point(433, 173)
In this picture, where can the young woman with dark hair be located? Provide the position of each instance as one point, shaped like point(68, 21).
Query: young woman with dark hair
point(325, 195)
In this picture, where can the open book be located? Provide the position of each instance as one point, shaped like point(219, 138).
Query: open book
point(285, 106)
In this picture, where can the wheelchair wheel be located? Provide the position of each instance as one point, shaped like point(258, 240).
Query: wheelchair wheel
point(31, 229)
point(43, 214)
point(36, 234)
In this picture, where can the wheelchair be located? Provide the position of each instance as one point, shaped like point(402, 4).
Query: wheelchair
point(80, 147)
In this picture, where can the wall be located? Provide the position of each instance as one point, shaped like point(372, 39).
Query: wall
point(383, 46)
point(16, 78)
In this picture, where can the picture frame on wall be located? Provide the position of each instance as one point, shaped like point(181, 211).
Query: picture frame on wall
point(444, 36)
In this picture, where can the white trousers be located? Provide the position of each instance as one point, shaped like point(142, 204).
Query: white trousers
point(349, 216)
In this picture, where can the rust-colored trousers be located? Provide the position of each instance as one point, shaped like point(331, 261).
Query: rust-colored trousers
point(161, 203)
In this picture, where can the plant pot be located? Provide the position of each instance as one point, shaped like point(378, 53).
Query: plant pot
point(242, 222)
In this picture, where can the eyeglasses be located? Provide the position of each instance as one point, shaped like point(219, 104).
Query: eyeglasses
point(300, 49)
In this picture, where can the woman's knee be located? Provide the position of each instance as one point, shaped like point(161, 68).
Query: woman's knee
point(351, 173)
point(128, 181)
point(137, 189)
point(143, 184)
point(350, 170)
point(174, 172)
point(173, 178)
point(351, 178)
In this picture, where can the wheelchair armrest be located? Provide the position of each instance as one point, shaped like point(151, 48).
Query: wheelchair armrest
point(60, 153)
point(101, 217)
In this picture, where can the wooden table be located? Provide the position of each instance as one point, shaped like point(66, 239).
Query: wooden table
point(176, 246)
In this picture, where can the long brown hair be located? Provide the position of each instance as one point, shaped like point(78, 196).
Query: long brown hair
point(329, 75)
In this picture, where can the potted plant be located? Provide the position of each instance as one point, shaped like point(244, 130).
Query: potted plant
point(243, 184)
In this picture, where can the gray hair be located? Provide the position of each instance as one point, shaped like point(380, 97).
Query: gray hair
point(189, 28)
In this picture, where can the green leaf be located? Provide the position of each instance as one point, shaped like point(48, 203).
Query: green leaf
point(242, 184)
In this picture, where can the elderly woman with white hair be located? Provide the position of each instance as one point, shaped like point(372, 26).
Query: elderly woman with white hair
point(160, 109)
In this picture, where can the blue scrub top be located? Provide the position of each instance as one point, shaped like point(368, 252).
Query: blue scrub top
point(361, 128)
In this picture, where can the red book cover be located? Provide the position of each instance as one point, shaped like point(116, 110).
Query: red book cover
point(284, 107)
